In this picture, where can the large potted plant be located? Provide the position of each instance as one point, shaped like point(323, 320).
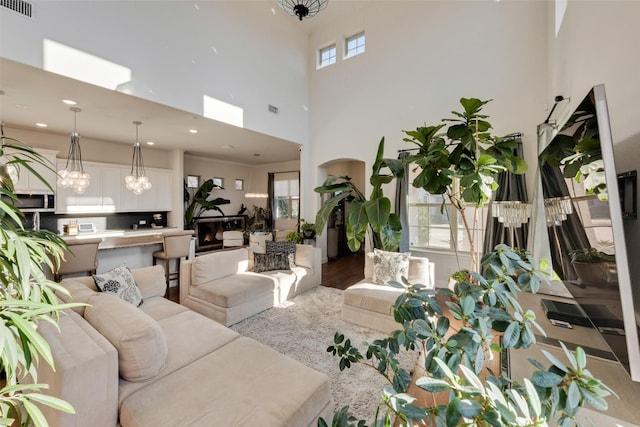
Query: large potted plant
point(26, 296)
point(455, 329)
point(374, 214)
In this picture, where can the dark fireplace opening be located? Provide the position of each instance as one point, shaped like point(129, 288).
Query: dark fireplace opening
point(209, 231)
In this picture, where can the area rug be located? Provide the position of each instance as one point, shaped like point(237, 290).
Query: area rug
point(303, 327)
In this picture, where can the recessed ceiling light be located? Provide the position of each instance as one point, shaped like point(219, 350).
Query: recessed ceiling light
point(42, 125)
point(150, 143)
point(69, 101)
point(193, 130)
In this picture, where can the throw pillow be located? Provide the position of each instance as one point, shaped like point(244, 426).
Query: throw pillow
point(120, 283)
point(388, 266)
point(288, 248)
point(270, 262)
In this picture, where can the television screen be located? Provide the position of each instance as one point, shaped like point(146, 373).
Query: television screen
point(586, 230)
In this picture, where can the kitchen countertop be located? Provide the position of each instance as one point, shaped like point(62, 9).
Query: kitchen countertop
point(112, 239)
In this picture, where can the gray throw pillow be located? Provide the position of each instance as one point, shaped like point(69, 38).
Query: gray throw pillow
point(270, 262)
point(120, 283)
point(288, 248)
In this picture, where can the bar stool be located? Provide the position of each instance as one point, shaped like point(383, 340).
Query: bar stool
point(175, 245)
point(81, 258)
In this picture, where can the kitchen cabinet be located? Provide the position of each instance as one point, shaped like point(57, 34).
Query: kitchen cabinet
point(108, 193)
point(28, 182)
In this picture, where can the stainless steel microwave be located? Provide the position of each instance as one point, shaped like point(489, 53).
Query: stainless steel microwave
point(36, 201)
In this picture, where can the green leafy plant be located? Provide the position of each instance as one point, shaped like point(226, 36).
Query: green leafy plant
point(26, 297)
point(457, 345)
point(200, 203)
point(461, 162)
point(590, 255)
point(373, 214)
point(294, 236)
point(307, 229)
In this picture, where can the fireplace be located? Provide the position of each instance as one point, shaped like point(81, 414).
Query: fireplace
point(209, 230)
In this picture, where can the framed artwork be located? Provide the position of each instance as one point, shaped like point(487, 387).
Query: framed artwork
point(193, 181)
point(240, 184)
point(218, 182)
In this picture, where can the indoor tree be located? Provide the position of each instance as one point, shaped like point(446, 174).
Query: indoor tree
point(373, 214)
point(26, 296)
point(457, 331)
point(200, 203)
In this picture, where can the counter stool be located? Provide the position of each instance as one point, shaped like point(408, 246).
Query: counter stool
point(82, 257)
point(175, 245)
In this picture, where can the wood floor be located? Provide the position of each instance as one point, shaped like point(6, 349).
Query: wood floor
point(337, 273)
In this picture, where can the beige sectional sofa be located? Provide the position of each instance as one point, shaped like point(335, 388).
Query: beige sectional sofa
point(161, 364)
point(370, 304)
point(221, 285)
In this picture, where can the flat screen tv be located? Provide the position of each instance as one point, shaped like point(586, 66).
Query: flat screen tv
point(586, 227)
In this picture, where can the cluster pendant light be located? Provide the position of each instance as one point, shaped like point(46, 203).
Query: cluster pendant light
point(137, 180)
point(73, 175)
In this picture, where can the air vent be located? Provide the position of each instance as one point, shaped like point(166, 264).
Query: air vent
point(22, 7)
point(273, 109)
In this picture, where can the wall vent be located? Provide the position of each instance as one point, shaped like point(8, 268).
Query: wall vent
point(273, 109)
point(22, 7)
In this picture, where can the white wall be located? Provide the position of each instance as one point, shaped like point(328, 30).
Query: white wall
point(421, 58)
point(242, 52)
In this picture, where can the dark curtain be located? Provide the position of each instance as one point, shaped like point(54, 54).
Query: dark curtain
point(514, 188)
point(570, 234)
point(271, 200)
point(402, 188)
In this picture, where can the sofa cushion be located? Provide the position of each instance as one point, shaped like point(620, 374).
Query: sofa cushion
point(388, 266)
point(78, 292)
point(304, 256)
point(371, 297)
point(233, 290)
point(419, 271)
point(141, 344)
point(150, 281)
point(270, 262)
point(120, 283)
point(219, 264)
point(247, 384)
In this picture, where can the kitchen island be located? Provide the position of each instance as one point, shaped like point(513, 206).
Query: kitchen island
point(134, 248)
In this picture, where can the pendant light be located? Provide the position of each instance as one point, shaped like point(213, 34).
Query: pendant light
point(73, 175)
point(137, 180)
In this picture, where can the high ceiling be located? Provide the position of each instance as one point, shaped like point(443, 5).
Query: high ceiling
point(31, 95)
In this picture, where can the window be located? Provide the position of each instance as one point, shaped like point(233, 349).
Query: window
point(327, 56)
point(286, 192)
point(354, 45)
point(434, 225)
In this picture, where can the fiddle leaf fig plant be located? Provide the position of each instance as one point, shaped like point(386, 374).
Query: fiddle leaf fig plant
point(26, 296)
point(373, 214)
point(201, 203)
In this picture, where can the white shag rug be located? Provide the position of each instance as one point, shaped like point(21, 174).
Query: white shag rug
point(303, 327)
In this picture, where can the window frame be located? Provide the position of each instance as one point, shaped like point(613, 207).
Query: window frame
point(359, 49)
point(289, 198)
point(320, 61)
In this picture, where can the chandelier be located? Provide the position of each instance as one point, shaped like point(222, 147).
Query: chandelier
point(137, 180)
point(302, 8)
point(73, 175)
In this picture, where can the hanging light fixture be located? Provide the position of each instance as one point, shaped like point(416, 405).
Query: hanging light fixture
point(137, 180)
point(303, 8)
point(73, 175)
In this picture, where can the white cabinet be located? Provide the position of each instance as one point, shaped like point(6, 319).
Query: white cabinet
point(27, 181)
point(108, 193)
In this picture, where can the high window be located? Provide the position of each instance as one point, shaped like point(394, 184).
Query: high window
point(327, 56)
point(354, 45)
point(435, 224)
point(286, 192)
